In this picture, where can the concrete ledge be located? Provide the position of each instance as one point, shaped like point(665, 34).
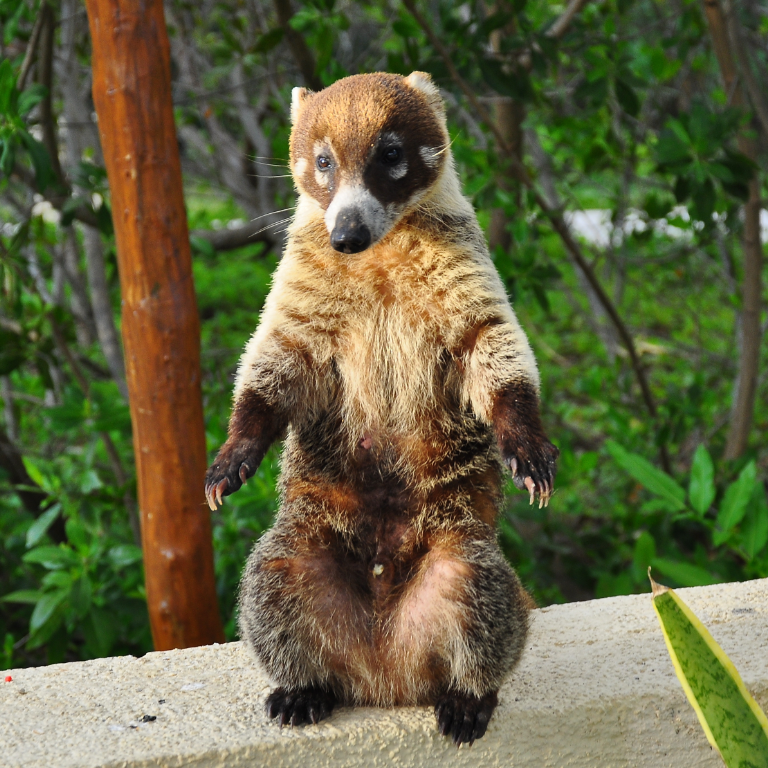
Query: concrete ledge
point(595, 688)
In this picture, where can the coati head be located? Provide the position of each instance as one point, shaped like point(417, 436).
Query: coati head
point(367, 149)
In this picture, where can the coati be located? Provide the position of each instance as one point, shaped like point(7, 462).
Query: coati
point(389, 358)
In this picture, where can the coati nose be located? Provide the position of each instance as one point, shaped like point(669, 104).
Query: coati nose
point(350, 235)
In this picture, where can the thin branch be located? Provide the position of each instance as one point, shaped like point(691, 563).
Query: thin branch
point(560, 27)
point(756, 94)
point(298, 46)
point(45, 77)
point(554, 215)
point(29, 56)
point(229, 239)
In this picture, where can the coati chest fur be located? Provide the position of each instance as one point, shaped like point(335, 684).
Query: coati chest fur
point(390, 361)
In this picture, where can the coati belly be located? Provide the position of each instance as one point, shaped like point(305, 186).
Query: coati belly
point(386, 594)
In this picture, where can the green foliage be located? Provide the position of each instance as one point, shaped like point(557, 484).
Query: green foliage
point(741, 500)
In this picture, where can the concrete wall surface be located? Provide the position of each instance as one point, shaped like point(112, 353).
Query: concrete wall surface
point(595, 688)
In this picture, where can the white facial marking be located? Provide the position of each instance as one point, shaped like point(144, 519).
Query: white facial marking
point(378, 569)
point(372, 212)
point(301, 167)
point(398, 171)
point(430, 156)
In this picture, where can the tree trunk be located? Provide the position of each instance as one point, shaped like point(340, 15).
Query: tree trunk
point(161, 334)
point(745, 387)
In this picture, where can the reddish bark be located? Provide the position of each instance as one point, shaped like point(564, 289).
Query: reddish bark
point(132, 93)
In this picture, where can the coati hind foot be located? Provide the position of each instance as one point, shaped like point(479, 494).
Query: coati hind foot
point(463, 716)
point(299, 706)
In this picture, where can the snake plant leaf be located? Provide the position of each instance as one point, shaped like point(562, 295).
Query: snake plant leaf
point(732, 720)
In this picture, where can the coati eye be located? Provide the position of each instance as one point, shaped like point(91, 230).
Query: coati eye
point(391, 155)
point(323, 163)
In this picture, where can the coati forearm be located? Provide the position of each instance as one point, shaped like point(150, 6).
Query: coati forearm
point(502, 385)
point(524, 447)
point(254, 426)
point(271, 390)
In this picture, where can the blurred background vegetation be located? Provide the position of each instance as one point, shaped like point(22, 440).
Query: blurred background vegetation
point(613, 122)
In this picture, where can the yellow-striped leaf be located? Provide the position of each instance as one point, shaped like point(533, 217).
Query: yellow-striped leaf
point(732, 720)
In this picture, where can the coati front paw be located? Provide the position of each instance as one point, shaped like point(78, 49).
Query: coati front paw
point(235, 463)
point(463, 716)
point(533, 468)
point(300, 706)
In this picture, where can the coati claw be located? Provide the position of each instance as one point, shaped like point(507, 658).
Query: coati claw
point(531, 486)
point(222, 486)
point(464, 717)
point(236, 462)
point(533, 469)
point(300, 706)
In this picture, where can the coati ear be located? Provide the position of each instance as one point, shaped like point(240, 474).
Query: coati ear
point(421, 81)
point(299, 98)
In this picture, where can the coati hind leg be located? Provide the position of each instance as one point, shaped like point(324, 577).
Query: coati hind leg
point(462, 623)
point(301, 616)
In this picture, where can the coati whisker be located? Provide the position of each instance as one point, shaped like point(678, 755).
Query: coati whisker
point(269, 226)
point(274, 213)
point(389, 359)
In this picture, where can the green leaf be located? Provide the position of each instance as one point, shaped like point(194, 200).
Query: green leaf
point(40, 527)
point(28, 596)
point(701, 489)
point(754, 529)
point(99, 631)
point(202, 246)
point(45, 607)
point(34, 472)
point(57, 580)
point(732, 720)
point(685, 574)
point(90, 480)
point(7, 87)
point(734, 504)
point(124, 555)
point(703, 197)
point(647, 475)
point(627, 98)
point(52, 557)
point(645, 552)
point(7, 156)
point(80, 596)
point(30, 98)
point(13, 351)
point(41, 160)
point(76, 534)
point(268, 41)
